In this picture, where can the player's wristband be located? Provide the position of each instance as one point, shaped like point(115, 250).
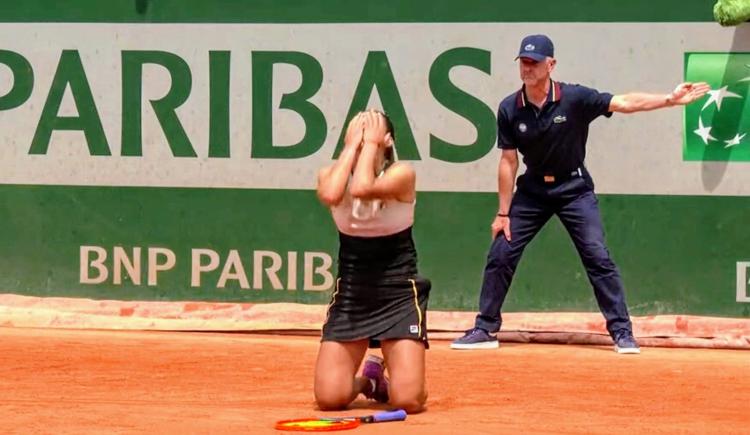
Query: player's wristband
point(503, 215)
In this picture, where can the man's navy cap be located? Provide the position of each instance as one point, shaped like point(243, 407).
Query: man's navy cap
point(536, 47)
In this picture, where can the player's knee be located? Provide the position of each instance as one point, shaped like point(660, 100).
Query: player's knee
point(411, 403)
point(331, 401)
point(412, 406)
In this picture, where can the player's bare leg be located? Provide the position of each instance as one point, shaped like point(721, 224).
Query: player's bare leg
point(335, 382)
point(405, 360)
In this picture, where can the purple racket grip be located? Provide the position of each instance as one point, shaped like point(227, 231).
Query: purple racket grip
point(397, 415)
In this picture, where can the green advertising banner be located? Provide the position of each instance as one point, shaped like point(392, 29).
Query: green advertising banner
point(718, 129)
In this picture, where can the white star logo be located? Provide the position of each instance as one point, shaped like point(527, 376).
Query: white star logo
point(714, 135)
point(704, 132)
point(735, 140)
point(718, 96)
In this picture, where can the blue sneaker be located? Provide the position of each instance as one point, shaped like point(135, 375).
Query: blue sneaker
point(374, 370)
point(625, 343)
point(476, 338)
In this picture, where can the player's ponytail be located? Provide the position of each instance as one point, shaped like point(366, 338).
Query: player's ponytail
point(390, 152)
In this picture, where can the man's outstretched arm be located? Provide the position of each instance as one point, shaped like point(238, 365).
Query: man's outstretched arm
point(684, 93)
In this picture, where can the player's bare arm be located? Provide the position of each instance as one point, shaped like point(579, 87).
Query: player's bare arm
point(332, 179)
point(397, 182)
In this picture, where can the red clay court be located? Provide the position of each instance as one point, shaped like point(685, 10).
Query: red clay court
point(84, 381)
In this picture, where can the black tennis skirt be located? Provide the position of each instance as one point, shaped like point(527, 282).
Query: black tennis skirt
point(378, 295)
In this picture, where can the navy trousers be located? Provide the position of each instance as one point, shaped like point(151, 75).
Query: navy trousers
point(576, 205)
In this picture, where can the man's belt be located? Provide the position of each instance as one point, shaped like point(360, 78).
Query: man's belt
point(549, 177)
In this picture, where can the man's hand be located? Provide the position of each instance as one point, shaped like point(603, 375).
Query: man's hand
point(501, 224)
point(686, 93)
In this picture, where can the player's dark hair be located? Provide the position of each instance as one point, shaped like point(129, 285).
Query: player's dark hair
point(390, 154)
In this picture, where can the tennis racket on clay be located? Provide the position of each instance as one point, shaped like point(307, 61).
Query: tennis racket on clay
point(327, 424)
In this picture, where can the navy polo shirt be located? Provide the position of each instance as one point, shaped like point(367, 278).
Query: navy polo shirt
point(552, 139)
